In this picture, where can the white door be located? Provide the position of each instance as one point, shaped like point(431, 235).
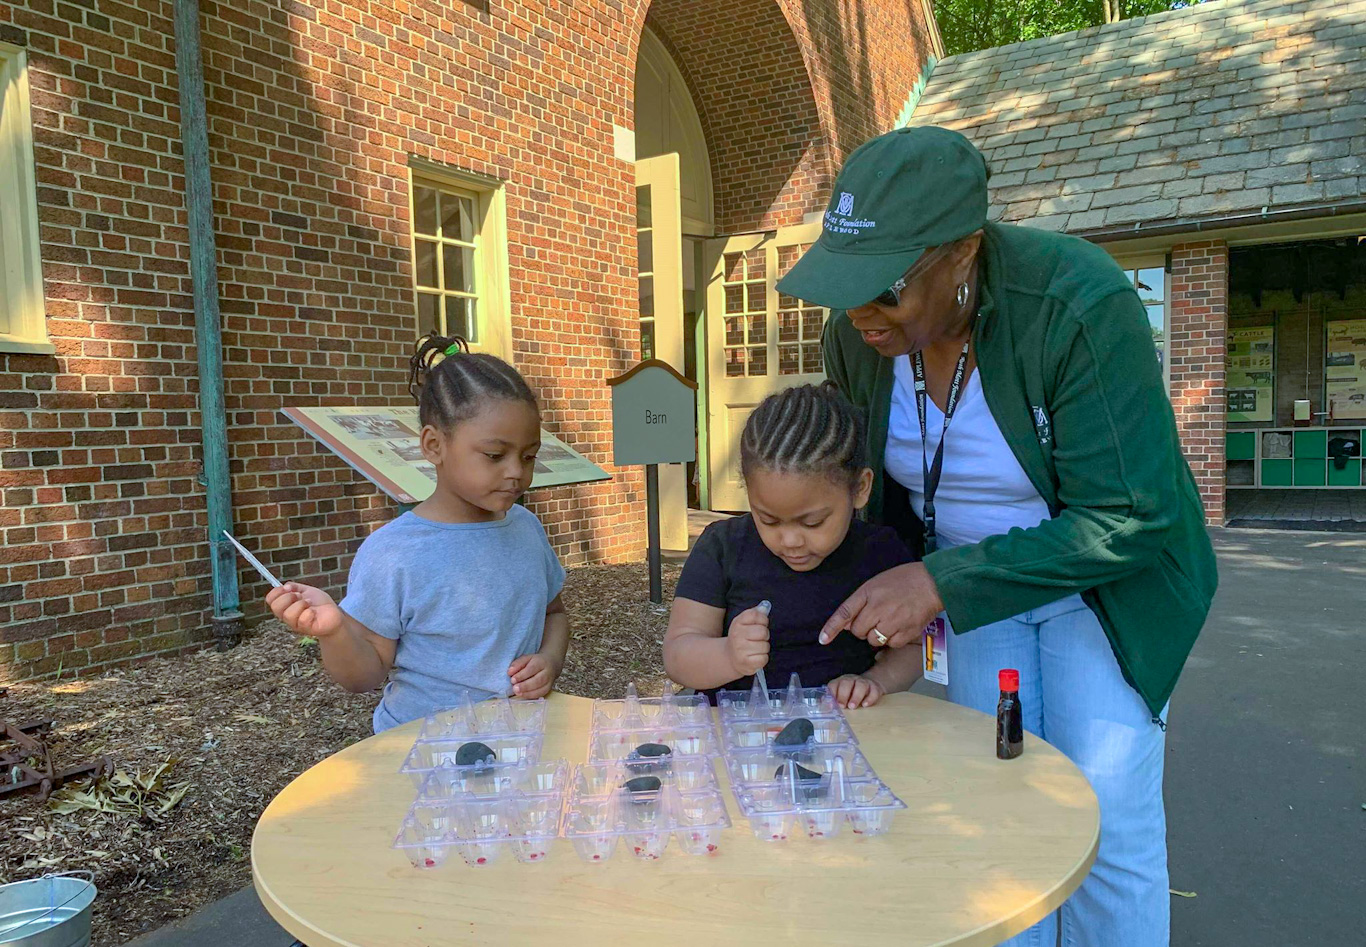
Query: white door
point(758, 342)
point(659, 244)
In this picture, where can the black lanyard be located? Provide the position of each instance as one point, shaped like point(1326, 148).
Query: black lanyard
point(932, 471)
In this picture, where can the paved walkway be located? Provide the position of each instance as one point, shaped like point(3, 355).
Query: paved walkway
point(1266, 764)
point(238, 920)
point(1338, 510)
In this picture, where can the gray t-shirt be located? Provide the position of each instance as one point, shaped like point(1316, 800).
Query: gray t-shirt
point(463, 601)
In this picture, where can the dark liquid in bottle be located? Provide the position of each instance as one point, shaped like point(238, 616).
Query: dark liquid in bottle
point(1009, 721)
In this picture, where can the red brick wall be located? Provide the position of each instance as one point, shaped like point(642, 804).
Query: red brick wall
point(786, 90)
point(315, 109)
point(863, 56)
point(1197, 334)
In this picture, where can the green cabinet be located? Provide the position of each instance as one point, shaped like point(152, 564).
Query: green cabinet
point(1311, 444)
point(1308, 464)
point(1349, 476)
point(1310, 471)
point(1278, 473)
point(1240, 445)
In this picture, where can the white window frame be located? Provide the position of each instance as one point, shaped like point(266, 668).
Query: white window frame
point(492, 285)
point(1156, 261)
point(23, 323)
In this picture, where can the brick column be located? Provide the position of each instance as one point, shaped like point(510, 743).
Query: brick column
point(1197, 331)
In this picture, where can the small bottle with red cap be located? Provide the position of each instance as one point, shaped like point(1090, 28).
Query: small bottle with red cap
point(1009, 720)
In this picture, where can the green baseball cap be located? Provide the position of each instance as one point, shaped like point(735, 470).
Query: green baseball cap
point(897, 195)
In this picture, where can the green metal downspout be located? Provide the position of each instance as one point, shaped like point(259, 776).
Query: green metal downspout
point(194, 136)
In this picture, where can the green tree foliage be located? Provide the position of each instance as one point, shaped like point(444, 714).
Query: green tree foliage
point(968, 25)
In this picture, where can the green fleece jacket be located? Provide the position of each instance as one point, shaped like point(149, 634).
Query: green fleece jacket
point(1066, 361)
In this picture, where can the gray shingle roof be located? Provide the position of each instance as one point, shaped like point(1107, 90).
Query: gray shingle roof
point(1215, 110)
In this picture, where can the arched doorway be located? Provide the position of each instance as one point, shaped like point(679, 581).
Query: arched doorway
point(667, 122)
point(673, 193)
point(751, 173)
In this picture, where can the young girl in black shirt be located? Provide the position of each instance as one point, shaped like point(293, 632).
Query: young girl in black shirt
point(800, 548)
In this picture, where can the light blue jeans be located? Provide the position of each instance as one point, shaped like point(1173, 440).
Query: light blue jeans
point(1074, 696)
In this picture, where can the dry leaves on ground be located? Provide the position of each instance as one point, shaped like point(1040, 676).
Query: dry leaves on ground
point(235, 728)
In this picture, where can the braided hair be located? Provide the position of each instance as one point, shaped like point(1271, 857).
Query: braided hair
point(450, 383)
point(811, 429)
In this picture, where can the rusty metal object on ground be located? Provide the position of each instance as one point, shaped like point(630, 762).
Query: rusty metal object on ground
point(26, 761)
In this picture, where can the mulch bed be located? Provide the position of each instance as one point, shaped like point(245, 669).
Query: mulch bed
point(239, 726)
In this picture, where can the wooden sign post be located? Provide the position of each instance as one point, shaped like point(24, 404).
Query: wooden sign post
point(654, 421)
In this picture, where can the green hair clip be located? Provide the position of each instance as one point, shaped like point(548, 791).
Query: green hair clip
point(453, 348)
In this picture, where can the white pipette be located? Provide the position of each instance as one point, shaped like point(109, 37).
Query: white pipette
point(256, 563)
point(765, 608)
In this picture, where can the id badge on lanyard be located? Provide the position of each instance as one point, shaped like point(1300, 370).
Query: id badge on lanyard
point(934, 645)
point(935, 648)
point(932, 471)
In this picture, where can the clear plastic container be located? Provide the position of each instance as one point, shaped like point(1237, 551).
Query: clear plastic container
point(612, 745)
point(666, 712)
point(687, 775)
point(602, 812)
point(818, 804)
point(448, 782)
point(481, 829)
point(653, 733)
point(787, 704)
point(428, 755)
point(498, 716)
point(749, 734)
point(762, 765)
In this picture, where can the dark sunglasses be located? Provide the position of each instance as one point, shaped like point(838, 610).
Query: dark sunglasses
point(891, 296)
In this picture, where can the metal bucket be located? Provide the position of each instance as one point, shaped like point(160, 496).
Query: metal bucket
point(51, 911)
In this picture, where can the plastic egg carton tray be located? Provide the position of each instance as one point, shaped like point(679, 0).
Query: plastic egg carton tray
point(667, 712)
point(607, 746)
point(762, 765)
point(481, 830)
point(610, 806)
point(470, 755)
point(799, 734)
point(785, 704)
point(447, 783)
point(496, 717)
point(819, 803)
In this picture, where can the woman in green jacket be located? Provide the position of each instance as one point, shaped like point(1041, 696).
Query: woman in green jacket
point(1022, 440)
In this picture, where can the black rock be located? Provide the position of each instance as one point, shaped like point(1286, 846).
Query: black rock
point(802, 772)
point(642, 784)
point(470, 754)
point(806, 792)
point(651, 750)
point(796, 733)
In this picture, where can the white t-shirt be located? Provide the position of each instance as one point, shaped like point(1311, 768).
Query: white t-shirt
point(983, 490)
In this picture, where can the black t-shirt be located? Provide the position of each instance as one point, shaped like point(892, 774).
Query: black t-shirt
point(731, 568)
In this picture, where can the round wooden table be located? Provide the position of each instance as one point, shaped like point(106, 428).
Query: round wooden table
point(985, 849)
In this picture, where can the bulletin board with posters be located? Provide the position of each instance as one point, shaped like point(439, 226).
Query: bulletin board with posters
point(1344, 370)
point(381, 443)
point(1251, 374)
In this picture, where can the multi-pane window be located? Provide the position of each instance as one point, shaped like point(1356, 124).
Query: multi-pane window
point(746, 313)
point(645, 260)
point(799, 323)
point(1151, 283)
point(447, 260)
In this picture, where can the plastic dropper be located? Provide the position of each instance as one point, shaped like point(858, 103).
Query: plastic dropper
point(765, 607)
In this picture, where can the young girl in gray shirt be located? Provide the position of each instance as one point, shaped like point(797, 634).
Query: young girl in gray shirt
point(461, 595)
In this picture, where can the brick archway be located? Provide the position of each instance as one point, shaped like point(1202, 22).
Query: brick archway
point(769, 149)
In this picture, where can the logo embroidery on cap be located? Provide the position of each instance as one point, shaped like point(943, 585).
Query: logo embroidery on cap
point(842, 219)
